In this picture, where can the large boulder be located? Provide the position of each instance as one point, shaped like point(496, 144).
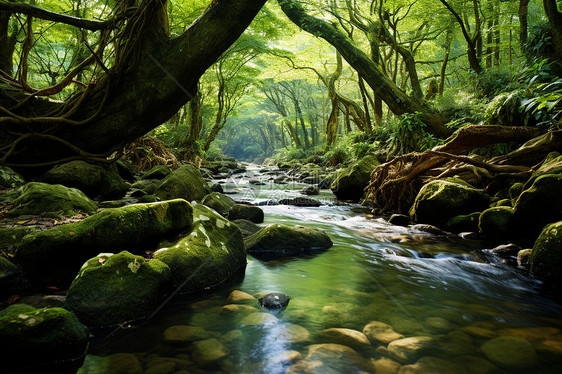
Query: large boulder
point(31, 338)
point(497, 223)
point(91, 179)
point(277, 240)
point(439, 201)
point(183, 183)
point(248, 212)
point(115, 288)
point(9, 178)
point(350, 182)
point(246, 227)
point(546, 257)
point(538, 205)
point(37, 198)
point(219, 202)
point(510, 353)
point(463, 223)
point(58, 253)
point(208, 256)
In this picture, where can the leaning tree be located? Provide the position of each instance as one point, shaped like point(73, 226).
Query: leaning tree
point(146, 79)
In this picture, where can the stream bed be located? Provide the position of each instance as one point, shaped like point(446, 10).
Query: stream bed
point(463, 315)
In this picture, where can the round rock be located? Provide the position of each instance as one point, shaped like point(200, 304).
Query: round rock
point(275, 300)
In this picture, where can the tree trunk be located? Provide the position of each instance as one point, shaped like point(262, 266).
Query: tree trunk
point(523, 24)
point(555, 21)
point(195, 126)
point(144, 89)
point(396, 99)
point(7, 43)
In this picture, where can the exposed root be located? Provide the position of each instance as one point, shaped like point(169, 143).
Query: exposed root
point(148, 151)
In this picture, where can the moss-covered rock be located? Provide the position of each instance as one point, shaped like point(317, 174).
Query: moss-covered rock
point(115, 288)
point(118, 363)
point(277, 240)
point(439, 201)
point(219, 202)
point(504, 109)
point(59, 252)
point(463, 223)
point(246, 227)
point(546, 257)
point(183, 183)
point(248, 212)
point(510, 352)
point(208, 256)
point(10, 277)
point(538, 205)
point(497, 223)
point(37, 198)
point(552, 164)
point(514, 192)
point(41, 336)
point(9, 178)
point(91, 179)
point(11, 237)
point(350, 182)
point(157, 172)
point(144, 186)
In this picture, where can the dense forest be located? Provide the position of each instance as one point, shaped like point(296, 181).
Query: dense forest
point(154, 155)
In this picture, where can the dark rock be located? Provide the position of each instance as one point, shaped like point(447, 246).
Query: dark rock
point(248, 212)
point(301, 201)
point(256, 182)
point(310, 190)
point(149, 199)
point(214, 250)
point(91, 179)
point(351, 182)
point(464, 223)
point(125, 170)
point(497, 223)
point(524, 258)
point(147, 186)
point(546, 257)
point(439, 201)
point(10, 277)
point(267, 202)
point(514, 192)
point(9, 178)
point(325, 184)
point(157, 172)
point(277, 240)
point(41, 337)
point(110, 289)
point(246, 227)
point(510, 353)
point(275, 300)
point(219, 202)
point(399, 220)
point(59, 252)
point(429, 229)
point(183, 183)
point(217, 188)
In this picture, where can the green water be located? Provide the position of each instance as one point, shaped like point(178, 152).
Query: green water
point(425, 286)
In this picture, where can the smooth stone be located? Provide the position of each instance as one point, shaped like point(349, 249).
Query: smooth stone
point(239, 297)
point(385, 365)
point(259, 319)
point(238, 308)
point(207, 353)
point(331, 358)
point(181, 334)
point(275, 300)
point(408, 350)
point(510, 352)
point(283, 358)
point(478, 365)
point(399, 220)
point(292, 333)
point(348, 337)
point(439, 324)
point(532, 333)
point(433, 365)
point(231, 336)
point(379, 332)
point(479, 332)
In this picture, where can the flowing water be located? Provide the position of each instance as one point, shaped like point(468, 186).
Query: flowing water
point(419, 284)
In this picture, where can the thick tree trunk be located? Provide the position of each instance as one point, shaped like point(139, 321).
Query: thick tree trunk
point(523, 24)
point(392, 95)
point(138, 95)
point(555, 21)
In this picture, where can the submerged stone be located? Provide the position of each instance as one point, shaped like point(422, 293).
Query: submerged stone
point(510, 352)
point(379, 332)
point(58, 253)
point(348, 337)
point(111, 289)
point(30, 338)
point(331, 358)
point(409, 350)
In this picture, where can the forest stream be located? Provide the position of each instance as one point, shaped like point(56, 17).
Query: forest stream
point(434, 289)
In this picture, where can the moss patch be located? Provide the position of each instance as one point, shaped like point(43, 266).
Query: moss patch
point(546, 257)
point(350, 183)
point(183, 183)
point(219, 202)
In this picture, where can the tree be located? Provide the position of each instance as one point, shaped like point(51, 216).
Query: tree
point(150, 77)
point(555, 21)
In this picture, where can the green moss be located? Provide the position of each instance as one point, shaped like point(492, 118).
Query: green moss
point(219, 202)
point(546, 257)
point(9, 178)
point(11, 237)
point(183, 183)
point(110, 289)
point(463, 223)
point(350, 183)
point(45, 335)
point(214, 243)
point(157, 172)
point(514, 192)
point(439, 201)
point(61, 251)
point(497, 223)
point(53, 200)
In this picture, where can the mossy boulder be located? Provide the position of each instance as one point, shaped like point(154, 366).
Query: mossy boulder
point(9, 178)
point(219, 202)
point(11, 237)
point(514, 191)
point(246, 227)
point(277, 240)
point(538, 205)
point(144, 187)
point(504, 109)
point(30, 338)
point(53, 200)
point(91, 179)
point(350, 183)
point(439, 201)
point(510, 353)
point(114, 288)
point(248, 212)
point(463, 223)
point(157, 172)
point(546, 257)
point(183, 183)
point(58, 253)
point(211, 254)
point(497, 223)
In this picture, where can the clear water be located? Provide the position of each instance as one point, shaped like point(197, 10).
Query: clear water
point(422, 286)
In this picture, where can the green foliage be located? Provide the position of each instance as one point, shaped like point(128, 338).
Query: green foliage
point(539, 42)
point(504, 110)
point(406, 134)
point(491, 83)
point(546, 107)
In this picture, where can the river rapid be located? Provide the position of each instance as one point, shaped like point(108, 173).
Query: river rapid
point(419, 284)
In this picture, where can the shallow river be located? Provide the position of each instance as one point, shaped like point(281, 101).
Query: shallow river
point(424, 286)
